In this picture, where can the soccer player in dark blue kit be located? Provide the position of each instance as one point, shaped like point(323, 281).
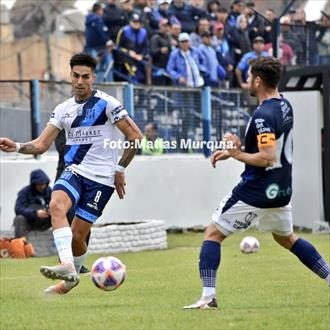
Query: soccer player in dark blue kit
point(264, 192)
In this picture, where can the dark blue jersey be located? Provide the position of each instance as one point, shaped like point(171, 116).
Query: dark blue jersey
point(268, 187)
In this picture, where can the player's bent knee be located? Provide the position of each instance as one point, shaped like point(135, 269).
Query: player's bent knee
point(214, 234)
point(285, 241)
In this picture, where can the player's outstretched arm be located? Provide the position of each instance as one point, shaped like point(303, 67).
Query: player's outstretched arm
point(265, 157)
point(133, 134)
point(35, 147)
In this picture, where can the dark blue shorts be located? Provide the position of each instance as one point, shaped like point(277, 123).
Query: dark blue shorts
point(88, 197)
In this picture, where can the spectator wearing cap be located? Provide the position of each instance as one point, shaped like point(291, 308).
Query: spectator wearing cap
point(212, 8)
point(223, 51)
point(214, 72)
point(163, 9)
point(132, 52)
point(271, 16)
point(256, 23)
point(243, 66)
point(202, 26)
point(187, 15)
point(238, 38)
point(237, 8)
point(96, 33)
point(114, 18)
point(323, 39)
point(160, 52)
point(185, 64)
point(185, 67)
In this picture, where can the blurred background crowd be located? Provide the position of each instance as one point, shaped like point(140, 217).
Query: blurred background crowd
point(192, 43)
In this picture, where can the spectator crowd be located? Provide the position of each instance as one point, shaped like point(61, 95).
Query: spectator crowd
point(168, 42)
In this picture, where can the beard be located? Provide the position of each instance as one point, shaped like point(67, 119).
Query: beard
point(252, 92)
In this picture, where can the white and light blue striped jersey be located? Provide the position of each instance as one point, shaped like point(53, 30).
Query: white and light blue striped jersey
point(87, 125)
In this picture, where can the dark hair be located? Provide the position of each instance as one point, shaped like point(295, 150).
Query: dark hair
point(212, 2)
point(96, 7)
point(269, 69)
point(84, 60)
point(222, 10)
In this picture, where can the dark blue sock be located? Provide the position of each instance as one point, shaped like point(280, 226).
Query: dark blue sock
point(209, 261)
point(308, 255)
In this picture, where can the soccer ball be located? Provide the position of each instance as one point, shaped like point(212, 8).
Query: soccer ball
point(108, 273)
point(249, 244)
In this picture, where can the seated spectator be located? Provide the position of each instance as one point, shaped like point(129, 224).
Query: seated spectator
point(243, 66)
point(132, 52)
point(32, 204)
point(198, 4)
point(215, 72)
point(96, 32)
point(163, 10)
point(174, 33)
point(212, 8)
point(186, 64)
point(202, 26)
point(256, 23)
point(139, 7)
point(114, 18)
point(271, 16)
point(323, 39)
point(186, 14)
point(160, 52)
point(151, 145)
point(285, 52)
point(238, 38)
point(237, 9)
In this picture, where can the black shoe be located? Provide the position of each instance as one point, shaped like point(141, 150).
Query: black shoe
point(84, 270)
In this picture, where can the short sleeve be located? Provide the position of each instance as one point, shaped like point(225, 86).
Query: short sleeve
point(264, 129)
point(55, 118)
point(243, 65)
point(115, 111)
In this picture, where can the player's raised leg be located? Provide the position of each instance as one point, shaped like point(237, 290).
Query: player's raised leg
point(306, 253)
point(209, 262)
point(59, 205)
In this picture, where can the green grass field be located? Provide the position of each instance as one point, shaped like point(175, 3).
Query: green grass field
point(267, 290)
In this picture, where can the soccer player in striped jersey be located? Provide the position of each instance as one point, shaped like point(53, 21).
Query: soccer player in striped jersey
point(264, 192)
point(91, 173)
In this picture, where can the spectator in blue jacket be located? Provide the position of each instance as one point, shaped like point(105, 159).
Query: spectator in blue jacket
point(96, 32)
point(186, 64)
point(31, 206)
point(215, 72)
point(243, 66)
point(186, 14)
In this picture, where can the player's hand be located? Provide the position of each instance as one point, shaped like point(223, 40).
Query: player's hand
point(219, 155)
point(7, 145)
point(42, 214)
point(233, 144)
point(120, 184)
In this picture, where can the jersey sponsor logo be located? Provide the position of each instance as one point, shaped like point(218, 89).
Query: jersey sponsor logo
point(117, 110)
point(266, 139)
point(259, 122)
point(272, 191)
point(93, 206)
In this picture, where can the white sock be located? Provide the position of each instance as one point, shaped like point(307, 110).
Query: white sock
point(208, 291)
point(63, 241)
point(79, 261)
point(328, 279)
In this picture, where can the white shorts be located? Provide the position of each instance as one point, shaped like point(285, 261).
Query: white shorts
point(231, 216)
